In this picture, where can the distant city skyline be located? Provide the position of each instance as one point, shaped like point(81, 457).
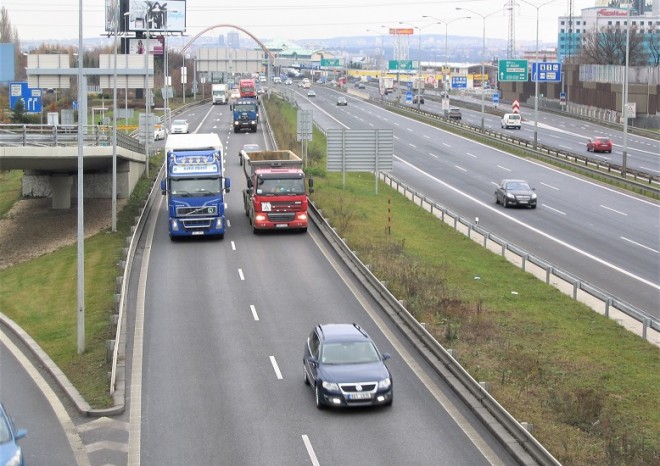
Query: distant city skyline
point(294, 20)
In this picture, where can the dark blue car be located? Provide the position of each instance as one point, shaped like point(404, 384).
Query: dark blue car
point(344, 367)
point(10, 452)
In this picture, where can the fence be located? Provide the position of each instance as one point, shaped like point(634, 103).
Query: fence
point(600, 301)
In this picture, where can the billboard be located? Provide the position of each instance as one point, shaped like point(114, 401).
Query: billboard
point(139, 46)
point(402, 31)
point(141, 15)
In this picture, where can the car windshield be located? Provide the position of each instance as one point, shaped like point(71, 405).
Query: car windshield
point(179, 122)
point(4, 431)
point(518, 186)
point(358, 352)
point(273, 186)
point(195, 187)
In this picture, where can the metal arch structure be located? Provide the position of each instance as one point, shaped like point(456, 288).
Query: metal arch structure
point(210, 28)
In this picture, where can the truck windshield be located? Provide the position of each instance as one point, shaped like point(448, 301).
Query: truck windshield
point(195, 187)
point(290, 186)
point(240, 107)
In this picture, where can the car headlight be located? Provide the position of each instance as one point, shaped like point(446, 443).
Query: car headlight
point(533, 196)
point(510, 195)
point(330, 386)
point(385, 383)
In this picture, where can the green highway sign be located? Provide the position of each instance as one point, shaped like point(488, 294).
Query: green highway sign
point(512, 70)
point(401, 65)
point(329, 61)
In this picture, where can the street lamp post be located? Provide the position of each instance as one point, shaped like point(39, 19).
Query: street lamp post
point(419, 65)
point(536, 78)
point(483, 58)
point(147, 103)
point(114, 125)
point(624, 163)
point(446, 23)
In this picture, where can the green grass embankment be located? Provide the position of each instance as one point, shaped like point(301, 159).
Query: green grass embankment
point(589, 387)
point(41, 295)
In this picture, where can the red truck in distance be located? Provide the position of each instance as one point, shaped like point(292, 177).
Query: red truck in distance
point(247, 89)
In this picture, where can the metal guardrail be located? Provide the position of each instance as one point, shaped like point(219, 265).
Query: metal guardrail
point(550, 274)
point(640, 180)
point(63, 135)
point(515, 438)
point(577, 285)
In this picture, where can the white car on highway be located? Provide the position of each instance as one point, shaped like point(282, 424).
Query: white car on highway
point(179, 127)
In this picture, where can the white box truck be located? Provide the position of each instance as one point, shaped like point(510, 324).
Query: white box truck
point(220, 94)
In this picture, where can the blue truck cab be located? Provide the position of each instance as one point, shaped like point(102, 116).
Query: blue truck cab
point(195, 185)
point(245, 115)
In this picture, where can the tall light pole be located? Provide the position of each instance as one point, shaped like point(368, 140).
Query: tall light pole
point(483, 57)
point(419, 64)
point(536, 79)
point(446, 23)
point(147, 103)
point(115, 9)
point(624, 108)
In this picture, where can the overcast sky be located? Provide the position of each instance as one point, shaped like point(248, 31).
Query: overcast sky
point(307, 19)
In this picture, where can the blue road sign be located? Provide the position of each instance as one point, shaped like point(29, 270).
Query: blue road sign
point(496, 98)
point(546, 72)
point(459, 82)
point(31, 97)
point(562, 98)
point(409, 96)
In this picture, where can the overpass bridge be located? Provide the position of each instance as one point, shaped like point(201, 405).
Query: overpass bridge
point(49, 157)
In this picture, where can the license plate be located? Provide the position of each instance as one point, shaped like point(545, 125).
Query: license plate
point(359, 396)
point(197, 233)
point(281, 225)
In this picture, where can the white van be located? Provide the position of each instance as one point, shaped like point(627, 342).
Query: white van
point(511, 120)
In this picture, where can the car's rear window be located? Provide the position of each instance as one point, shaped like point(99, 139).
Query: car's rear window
point(605, 140)
point(514, 117)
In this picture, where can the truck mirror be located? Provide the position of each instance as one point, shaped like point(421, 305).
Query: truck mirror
point(311, 182)
point(162, 186)
point(249, 184)
point(227, 184)
point(249, 191)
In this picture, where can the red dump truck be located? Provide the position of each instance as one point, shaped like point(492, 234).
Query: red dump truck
point(275, 197)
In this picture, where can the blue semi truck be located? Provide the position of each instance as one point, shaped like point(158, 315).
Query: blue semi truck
point(195, 185)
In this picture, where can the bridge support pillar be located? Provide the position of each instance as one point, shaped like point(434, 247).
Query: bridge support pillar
point(61, 188)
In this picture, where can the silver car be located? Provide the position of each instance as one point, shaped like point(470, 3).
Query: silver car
point(179, 127)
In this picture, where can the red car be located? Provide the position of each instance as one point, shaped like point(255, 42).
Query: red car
point(599, 145)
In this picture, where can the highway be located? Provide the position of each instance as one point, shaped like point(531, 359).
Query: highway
point(556, 130)
point(222, 323)
point(224, 327)
point(602, 235)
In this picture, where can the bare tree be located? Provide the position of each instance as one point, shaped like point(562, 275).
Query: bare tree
point(654, 48)
point(608, 47)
